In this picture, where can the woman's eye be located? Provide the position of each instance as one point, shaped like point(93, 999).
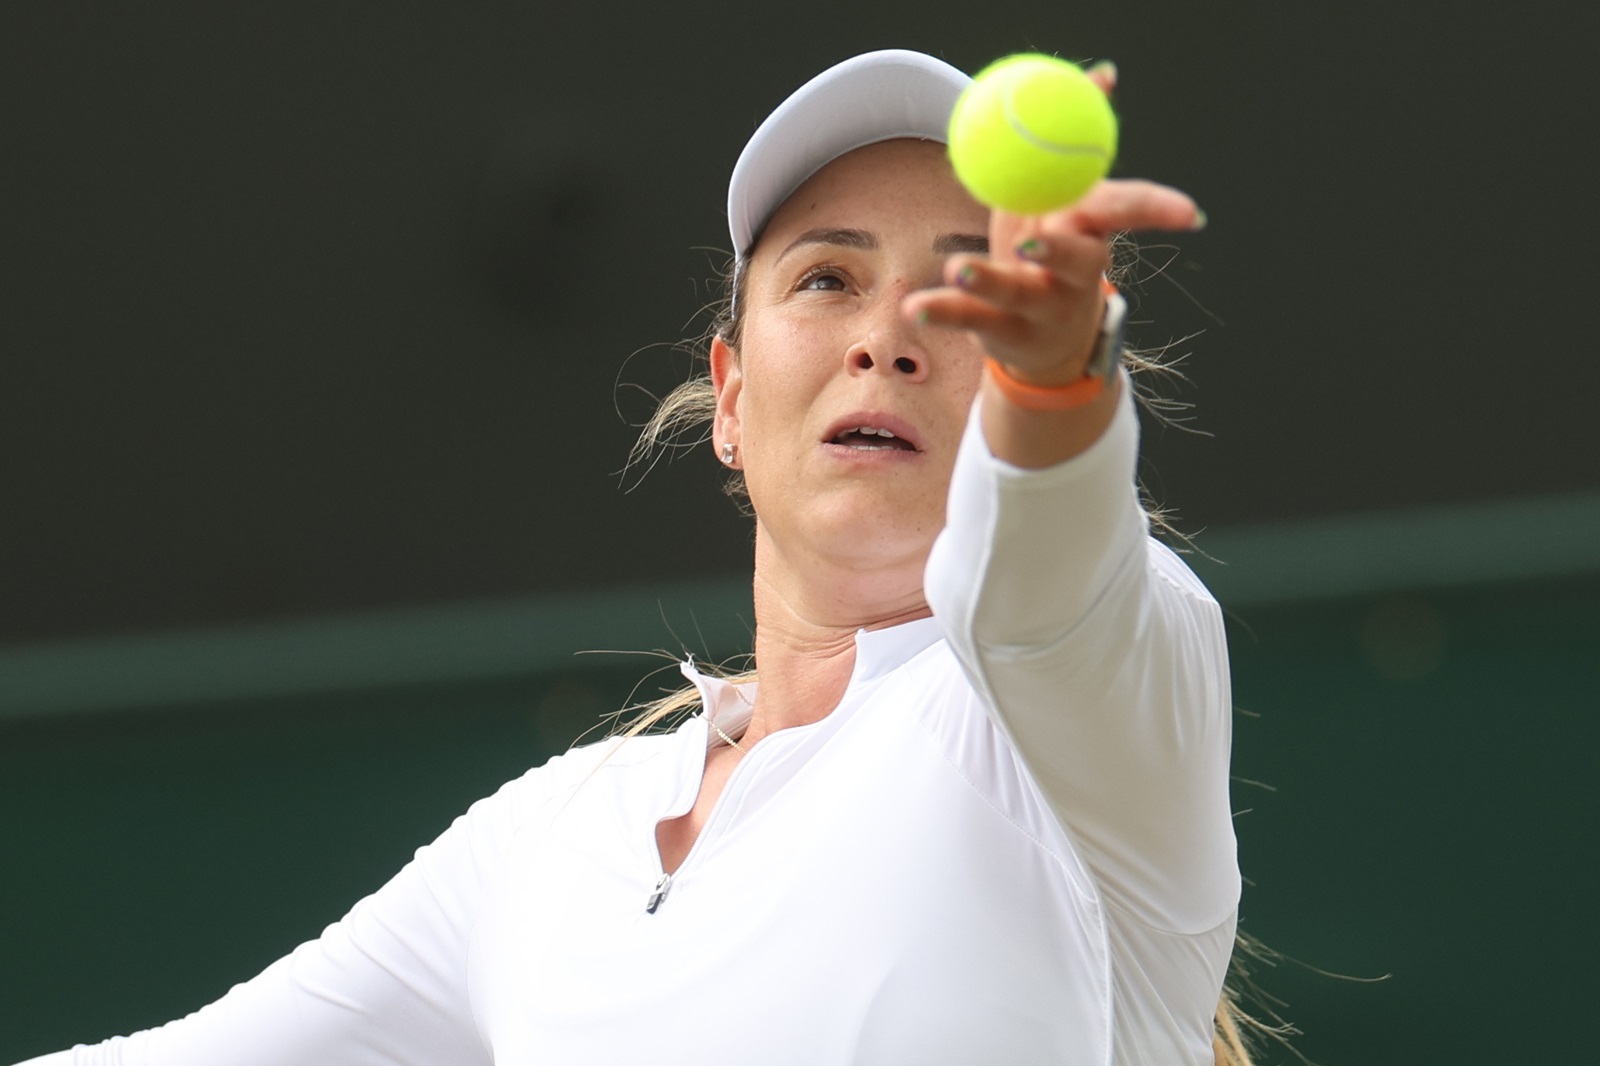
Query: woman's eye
point(822, 280)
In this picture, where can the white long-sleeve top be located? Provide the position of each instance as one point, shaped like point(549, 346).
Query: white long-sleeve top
point(1009, 844)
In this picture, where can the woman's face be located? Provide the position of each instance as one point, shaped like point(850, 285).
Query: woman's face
point(846, 415)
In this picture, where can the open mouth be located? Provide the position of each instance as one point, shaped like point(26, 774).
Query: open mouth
point(872, 438)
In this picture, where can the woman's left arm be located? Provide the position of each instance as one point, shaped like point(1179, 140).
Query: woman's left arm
point(1103, 659)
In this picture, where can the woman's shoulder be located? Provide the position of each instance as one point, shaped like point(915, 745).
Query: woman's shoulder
point(548, 786)
point(584, 759)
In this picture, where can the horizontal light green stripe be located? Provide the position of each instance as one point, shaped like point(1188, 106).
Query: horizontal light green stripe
point(1355, 555)
point(1329, 558)
point(462, 642)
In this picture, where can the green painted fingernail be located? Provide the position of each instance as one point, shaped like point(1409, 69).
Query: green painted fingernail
point(1032, 248)
point(922, 317)
point(1200, 220)
point(966, 276)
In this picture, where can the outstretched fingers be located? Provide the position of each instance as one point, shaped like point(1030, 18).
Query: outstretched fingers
point(1125, 205)
point(1035, 302)
point(956, 308)
point(1014, 307)
point(1006, 283)
point(1008, 298)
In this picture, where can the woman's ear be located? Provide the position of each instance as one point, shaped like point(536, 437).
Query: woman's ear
point(727, 379)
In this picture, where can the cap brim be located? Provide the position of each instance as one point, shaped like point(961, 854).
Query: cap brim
point(873, 97)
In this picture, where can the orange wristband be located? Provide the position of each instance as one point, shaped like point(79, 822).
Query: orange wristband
point(1041, 397)
point(1102, 364)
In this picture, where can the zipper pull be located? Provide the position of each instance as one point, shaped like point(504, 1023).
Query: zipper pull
point(663, 886)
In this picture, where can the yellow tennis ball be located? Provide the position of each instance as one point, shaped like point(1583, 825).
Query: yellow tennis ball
point(1031, 134)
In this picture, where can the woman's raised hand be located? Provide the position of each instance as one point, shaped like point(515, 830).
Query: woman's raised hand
point(1035, 301)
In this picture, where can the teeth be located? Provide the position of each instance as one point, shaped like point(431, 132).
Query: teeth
point(868, 431)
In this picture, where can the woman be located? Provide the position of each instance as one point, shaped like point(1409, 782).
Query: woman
point(976, 809)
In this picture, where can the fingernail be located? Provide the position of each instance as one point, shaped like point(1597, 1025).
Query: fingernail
point(922, 317)
point(1032, 249)
point(1200, 220)
point(1106, 69)
point(966, 276)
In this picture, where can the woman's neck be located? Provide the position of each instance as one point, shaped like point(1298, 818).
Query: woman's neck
point(806, 624)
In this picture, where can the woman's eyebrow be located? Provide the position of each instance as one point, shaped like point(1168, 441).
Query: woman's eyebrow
point(846, 238)
point(969, 243)
point(944, 244)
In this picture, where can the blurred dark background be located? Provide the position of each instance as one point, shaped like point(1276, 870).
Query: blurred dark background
point(322, 327)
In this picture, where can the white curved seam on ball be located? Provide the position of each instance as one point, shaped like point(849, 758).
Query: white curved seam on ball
point(1039, 142)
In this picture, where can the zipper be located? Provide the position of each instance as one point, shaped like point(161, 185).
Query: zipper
point(663, 886)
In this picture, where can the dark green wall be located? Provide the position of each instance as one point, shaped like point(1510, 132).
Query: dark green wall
point(1433, 757)
point(1430, 755)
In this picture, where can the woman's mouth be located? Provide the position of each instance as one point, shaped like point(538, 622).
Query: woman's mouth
point(872, 438)
point(873, 431)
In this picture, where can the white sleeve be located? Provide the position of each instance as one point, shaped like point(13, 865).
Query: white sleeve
point(1103, 659)
point(387, 984)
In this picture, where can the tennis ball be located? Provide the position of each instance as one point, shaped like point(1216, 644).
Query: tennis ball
point(1031, 134)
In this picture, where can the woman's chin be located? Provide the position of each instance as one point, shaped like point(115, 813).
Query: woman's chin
point(858, 528)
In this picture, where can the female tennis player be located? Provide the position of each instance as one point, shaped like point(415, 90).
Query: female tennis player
point(974, 810)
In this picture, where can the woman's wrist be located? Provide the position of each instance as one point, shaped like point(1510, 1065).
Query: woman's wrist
point(1074, 393)
point(1084, 385)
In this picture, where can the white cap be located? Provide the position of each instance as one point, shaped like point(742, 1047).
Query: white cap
point(873, 97)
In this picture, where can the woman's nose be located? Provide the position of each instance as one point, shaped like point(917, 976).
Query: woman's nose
point(891, 348)
point(909, 362)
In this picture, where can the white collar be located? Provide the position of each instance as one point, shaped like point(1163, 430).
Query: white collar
point(878, 651)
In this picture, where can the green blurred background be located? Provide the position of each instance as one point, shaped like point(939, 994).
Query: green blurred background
point(317, 320)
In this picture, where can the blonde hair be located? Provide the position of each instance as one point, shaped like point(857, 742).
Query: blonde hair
point(679, 422)
point(1227, 1045)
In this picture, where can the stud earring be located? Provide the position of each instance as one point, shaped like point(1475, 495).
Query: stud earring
point(727, 455)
